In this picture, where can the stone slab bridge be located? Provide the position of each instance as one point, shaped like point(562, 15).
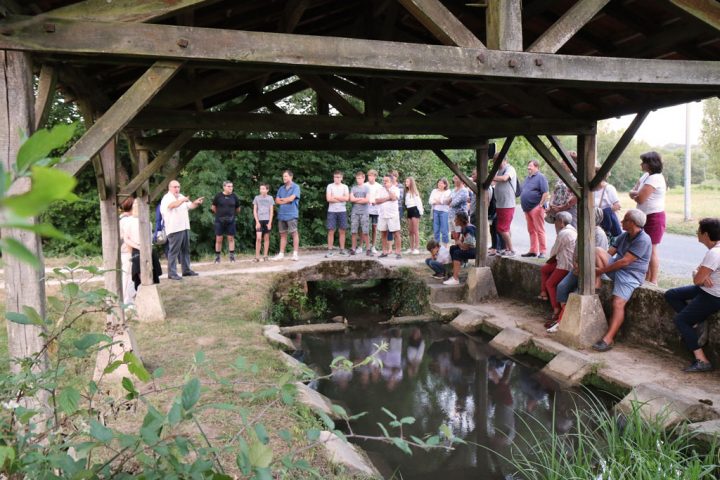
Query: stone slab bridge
point(398, 74)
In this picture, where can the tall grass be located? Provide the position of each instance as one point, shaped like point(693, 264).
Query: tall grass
point(607, 446)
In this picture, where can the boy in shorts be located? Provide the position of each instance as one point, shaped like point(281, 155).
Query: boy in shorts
point(389, 221)
point(336, 194)
point(360, 217)
point(373, 189)
point(263, 214)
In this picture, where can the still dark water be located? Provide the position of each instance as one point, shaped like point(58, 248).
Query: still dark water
point(439, 376)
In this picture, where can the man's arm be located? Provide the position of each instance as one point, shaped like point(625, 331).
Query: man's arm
point(702, 278)
point(193, 205)
point(626, 260)
point(283, 201)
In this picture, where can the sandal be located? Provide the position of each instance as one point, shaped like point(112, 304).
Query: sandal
point(256, 259)
point(543, 298)
point(265, 259)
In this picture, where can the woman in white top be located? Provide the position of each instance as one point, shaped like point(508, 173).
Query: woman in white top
point(697, 302)
point(440, 203)
point(414, 208)
point(128, 288)
point(607, 200)
point(649, 193)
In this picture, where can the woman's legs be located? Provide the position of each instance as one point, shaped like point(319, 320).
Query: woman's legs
point(654, 267)
point(693, 305)
point(413, 227)
point(436, 225)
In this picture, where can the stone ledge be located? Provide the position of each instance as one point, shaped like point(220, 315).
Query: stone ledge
point(343, 453)
point(273, 336)
point(314, 328)
point(708, 432)
point(446, 311)
point(667, 406)
point(315, 400)
point(470, 321)
point(569, 367)
point(411, 319)
point(511, 340)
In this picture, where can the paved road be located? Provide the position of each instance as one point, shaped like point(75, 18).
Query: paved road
point(679, 254)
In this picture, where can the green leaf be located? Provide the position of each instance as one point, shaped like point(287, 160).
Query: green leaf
point(100, 431)
point(340, 411)
point(175, 414)
point(42, 142)
point(55, 303)
point(68, 400)
point(263, 474)
point(16, 317)
point(7, 456)
point(24, 415)
point(384, 430)
point(91, 339)
point(388, 413)
point(190, 393)
point(70, 289)
point(285, 435)
point(407, 420)
point(128, 385)
point(113, 366)
point(152, 424)
point(48, 185)
point(12, 247)
point(312, 434)
point(136, 367)
point(199, 357)
point(402, 445)
point(261, 433)
point(326, 420)
point(260, 455)
point(287, 393)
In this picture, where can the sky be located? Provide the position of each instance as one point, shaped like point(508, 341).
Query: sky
point(666, 125)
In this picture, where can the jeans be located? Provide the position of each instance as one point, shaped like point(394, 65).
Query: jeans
point(179, 248)
point(440, 226)
point(536, 229)
point(495, 238)
point(566, 286)
point(436, 266)
point(693, 305)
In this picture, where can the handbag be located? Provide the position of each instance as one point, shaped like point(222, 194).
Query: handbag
point(161, 237)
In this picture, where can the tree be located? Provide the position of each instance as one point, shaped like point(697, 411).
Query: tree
point(710, 134)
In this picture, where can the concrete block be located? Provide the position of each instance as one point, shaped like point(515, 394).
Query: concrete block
point(314, 328)
point(343, 453)
point(469, 321)
point(569, 367)
point(446, 311)
point(315, 400)
point(440, 293)
point(583, 322)
point(708, 432)
point(510, 340)
point(549, 345)
point(411, 319)
point(273, 336)
point(480, 285)
point(668, 406)
point(499, 324)
point(149, 305)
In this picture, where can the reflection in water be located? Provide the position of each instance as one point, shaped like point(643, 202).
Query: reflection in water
point(439, 376)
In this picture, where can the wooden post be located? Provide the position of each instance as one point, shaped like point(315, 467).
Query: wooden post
point(145, 228)
point(586, 214)
point(481, 207)
point(504, 25)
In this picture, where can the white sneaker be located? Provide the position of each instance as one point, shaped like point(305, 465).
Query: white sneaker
point(373, 251)
point(554, 328)
point(451, 281)
point(278, 257)
point(416, 252)
point(408, 251)
point(295, 257)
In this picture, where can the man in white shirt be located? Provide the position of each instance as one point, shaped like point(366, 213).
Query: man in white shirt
point(389, 221)
point(174, 207)
point(337, 194)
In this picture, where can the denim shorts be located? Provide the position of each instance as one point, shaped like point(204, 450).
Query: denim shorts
point(337, 221)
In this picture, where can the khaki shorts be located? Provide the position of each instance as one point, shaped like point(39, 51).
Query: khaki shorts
point(388, 224)
point(287, 225)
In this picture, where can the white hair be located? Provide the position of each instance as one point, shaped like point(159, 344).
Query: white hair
point(636, 216)
point(564, 217)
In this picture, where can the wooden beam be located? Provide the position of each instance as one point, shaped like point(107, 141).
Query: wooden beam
point(586, 215)
point(567, 26)
point(88, 113)
point(118, 116)
point(415, 99)
point(45, 94)
point(146, 277)
point(498, 161)
point(456, 170)
point(563, 152)
point(706, 10)
point(125, 10)
point(554, 163)
point(619, 148)
point(319, 144)
point(503, 19)
point(331, 96)
point(254, 122)
point(318, 53)
point(162, 187)
point(161, 159)
point(481, 207)
point(253, 103)
point(441, 23)
point(181, 91)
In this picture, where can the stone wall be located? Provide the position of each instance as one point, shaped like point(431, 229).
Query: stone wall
point(648, 319)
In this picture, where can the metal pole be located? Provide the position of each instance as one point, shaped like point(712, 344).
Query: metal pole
point(688, 160)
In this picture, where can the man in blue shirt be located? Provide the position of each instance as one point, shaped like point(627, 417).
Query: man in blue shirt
point(535, 192)
point(626, 264)
point(288, 199)
point(464, 248)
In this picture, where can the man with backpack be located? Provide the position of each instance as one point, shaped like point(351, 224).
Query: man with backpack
point(506, 190)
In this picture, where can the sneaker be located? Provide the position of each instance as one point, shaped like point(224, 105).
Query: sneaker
point(553, 328)
point(383, 255)
point(256, 259)
point(373, 251)
point(508, 253)
point(398, 256)
point(351, 252)
point(698, 367)
point(416, 252)
point(265, 259)
point(529, 254)
point(343, 253)
point(329, 254)
point(359, 250)
point(232, 258)
point(369, 253)
point(492, 253)
point(601, 346)
point(439, 276)
point(295, 257)
point(408, 251)
point(541, 255)
point(451, 281)
point(190, 273)
point(217, 258)
point(278, 257)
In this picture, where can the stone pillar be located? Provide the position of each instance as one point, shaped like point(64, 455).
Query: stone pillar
point(148, 302)
point(583, 321)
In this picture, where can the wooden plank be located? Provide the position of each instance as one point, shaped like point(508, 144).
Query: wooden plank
point(481, 207)
point(161, 159)
point(563, 152)
point(24, 285)
point(554, 163)
point(145, 226)
point(331, 96)
point(442, 23)
point(159, 142)
point(456, 170)
point(88, 113)
point(254, 122)
point(586, 215)
point(619, 148)
point(567, 26)
point(45, 94)
point(415, 99)
point(497, 162)
point(126, 10)
point(706, 10)
point(503, 19)
point(162, 187)
point(373, 98)
point(318, 53)
point(118, 116)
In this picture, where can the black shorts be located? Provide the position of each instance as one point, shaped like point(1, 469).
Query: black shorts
point(225, 226)
point(413, 212)
point(263, 227)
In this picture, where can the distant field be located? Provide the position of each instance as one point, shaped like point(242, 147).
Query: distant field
point(704, 202)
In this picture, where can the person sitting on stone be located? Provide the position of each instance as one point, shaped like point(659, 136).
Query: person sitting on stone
point(464, 248)
point(696, 302)
point(626, 264)
point(559, 263)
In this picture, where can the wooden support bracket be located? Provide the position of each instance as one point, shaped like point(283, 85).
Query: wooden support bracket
point(456, 170)
point(554, 163)
point(619, 148)
point(498, 161)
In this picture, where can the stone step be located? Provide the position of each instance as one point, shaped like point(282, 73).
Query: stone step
point(440, 293)
point(410, 319)
point(446, 311)
point(314, 328)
